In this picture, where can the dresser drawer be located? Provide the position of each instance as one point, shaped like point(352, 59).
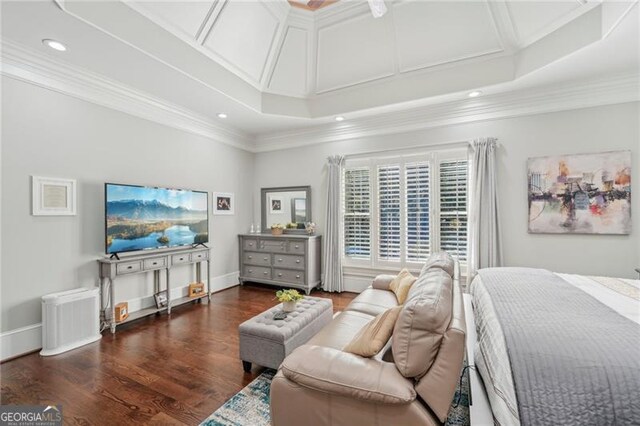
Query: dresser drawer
point(257, 272)
point(199, 255)
point(273, 246)
point(249, 244)
point(128, 267)
point(296, 247)
point(254, 258)
point(155, 263)
point(288, 261)
point(177, 259)
point(288, 276)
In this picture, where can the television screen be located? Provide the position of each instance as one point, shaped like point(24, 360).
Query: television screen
point(140, 218)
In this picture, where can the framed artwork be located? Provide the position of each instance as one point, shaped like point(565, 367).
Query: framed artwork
point(224, 203)
point(53, 196)
point(580, 194)
point(275, 205)
point(161, 299)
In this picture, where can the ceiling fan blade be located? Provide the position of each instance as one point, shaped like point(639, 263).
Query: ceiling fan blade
point(315, 4)
point(378, 8)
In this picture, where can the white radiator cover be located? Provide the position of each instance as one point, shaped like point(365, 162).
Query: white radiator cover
point(70, 319)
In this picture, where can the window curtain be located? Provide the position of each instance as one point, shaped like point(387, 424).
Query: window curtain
point(333, 231)
point(485, 248)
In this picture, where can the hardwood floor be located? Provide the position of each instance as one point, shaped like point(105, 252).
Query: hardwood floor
point(158, 370)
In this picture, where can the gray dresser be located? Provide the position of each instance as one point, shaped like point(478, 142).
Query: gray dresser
point(288, 260)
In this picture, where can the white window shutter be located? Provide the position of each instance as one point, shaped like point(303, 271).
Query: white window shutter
point(453, 208)
point(417, 193)
point(389, 212)
point(357, 213)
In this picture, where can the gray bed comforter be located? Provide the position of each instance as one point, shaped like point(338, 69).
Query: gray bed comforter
point(574, 360)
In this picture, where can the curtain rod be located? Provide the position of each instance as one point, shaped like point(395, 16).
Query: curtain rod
point(459, 144)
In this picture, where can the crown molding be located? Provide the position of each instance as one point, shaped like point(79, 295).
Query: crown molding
point(612, 90)
point(25, 64)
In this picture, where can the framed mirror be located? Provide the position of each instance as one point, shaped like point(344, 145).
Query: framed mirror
point(287, 206)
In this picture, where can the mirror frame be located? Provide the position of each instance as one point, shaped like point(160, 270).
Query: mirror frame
point(263, 209)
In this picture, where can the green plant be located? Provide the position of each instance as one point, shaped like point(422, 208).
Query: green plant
point(288, 295)
point(292, 225)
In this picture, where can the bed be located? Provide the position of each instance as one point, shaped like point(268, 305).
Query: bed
point(553, 348)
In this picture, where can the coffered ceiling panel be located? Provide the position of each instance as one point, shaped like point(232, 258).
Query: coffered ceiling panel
point(354, 51)
point(532, 19)
point(186, 17)
point(290, 73)
point(243, 35)
point(431, 33)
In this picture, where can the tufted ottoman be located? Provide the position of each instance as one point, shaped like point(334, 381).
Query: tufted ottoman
point(266, 342)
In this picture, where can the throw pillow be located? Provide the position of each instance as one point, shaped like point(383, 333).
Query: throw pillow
point(401, 285)
point(372, 337)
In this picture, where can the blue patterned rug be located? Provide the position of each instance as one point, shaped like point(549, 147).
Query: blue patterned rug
point(250, 406)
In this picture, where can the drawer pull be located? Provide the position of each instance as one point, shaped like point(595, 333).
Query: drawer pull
point(297, 246)
point(155, 263)
point(129, 267)
point(279, 275)
point(251, 271)
point(265, 258)
point(298, 261)
point(297, 276)
point(250, 257)
point(265, 272)
point(279, 260)
point(182, 258)
point(250, 244)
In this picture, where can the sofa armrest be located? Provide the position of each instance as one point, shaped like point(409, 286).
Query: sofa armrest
point(332, 371)
point(382, 282)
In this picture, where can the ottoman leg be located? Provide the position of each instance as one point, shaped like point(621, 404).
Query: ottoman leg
point(247, 366)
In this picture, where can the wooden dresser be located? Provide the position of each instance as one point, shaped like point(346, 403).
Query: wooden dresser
point(288, 260)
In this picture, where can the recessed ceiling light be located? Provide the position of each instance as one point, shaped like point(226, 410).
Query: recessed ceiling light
point(222, 115)
point(55, 45)
point(339, 118)
point(475, 94)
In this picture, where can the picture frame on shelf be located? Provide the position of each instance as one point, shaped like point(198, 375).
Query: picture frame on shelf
point(224, 203)
point(53, 196)
point(161, 299)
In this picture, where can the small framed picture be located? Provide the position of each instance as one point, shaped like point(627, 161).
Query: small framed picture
point(161, 299)
point(223, 203)
point(275, 205)
point(53, 196)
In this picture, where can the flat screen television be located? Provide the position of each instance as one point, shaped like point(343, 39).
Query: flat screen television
point(143, 218)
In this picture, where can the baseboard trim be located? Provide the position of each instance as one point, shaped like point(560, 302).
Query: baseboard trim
point(21, 341)
point(25, 340)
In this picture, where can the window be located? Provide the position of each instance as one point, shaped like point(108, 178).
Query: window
point(397, 210)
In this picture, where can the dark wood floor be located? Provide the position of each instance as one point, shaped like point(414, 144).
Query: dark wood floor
point(160, 370)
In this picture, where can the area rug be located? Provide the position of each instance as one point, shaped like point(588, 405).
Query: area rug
point(250, 406)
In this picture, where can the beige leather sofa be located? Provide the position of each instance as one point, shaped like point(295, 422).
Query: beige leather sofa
point(411, 382)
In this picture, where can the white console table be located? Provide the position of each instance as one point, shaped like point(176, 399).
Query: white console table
point(156, 263)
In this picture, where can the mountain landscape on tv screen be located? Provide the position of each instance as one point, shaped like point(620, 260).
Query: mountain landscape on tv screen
point(143, 224)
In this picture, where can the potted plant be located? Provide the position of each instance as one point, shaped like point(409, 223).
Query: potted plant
point(288, 298)
point(277, 229)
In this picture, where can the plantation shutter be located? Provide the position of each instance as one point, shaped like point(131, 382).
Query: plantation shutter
point(453, 208)
point(417, 208)
point(357, 213)
point(389, 212)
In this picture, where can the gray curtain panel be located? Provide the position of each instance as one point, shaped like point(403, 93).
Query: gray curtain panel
point(333, 231)
point(485, 248)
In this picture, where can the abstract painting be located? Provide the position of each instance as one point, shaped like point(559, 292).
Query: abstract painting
point(580, 194)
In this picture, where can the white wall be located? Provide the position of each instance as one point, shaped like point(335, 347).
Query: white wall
point(49, 134)
point(604, 128)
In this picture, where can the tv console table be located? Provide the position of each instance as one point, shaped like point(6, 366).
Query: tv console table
point(156, 262)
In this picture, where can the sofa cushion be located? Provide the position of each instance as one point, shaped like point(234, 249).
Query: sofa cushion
point(373, 301)
point(375, 335)
point(422, 322)
point(401, 284)
point(442, 260)
point(341, 330)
